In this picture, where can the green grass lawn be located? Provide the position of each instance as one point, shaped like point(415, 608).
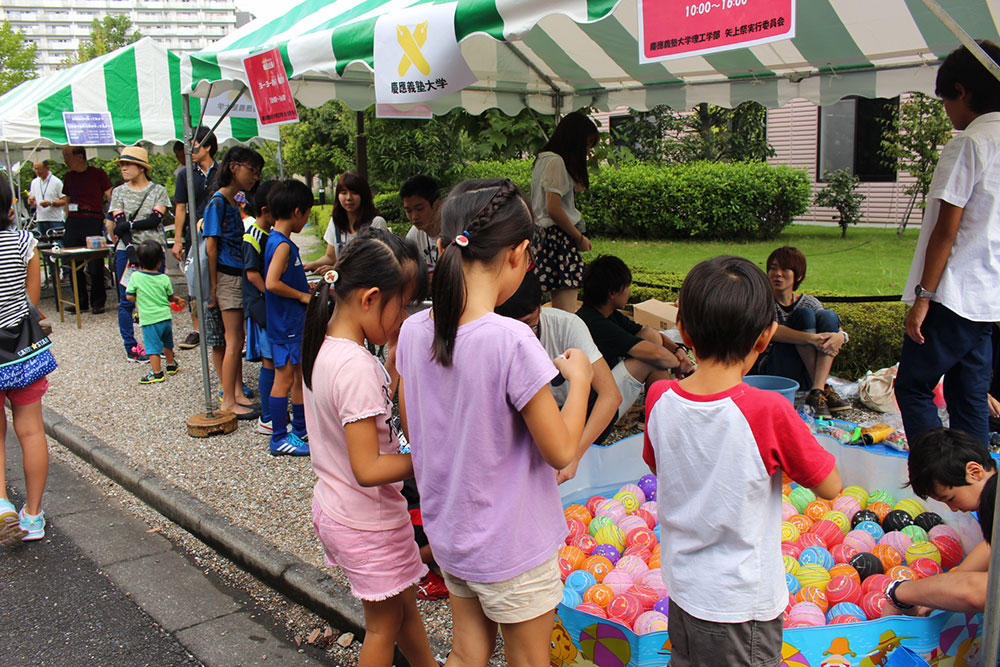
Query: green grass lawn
point(867, 262)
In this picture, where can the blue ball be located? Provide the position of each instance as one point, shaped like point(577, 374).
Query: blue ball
point(792, 582)
point(648, 486)
point(571, 598)
point(608, 551)
point(848, 608)
point(663, 605)
point(816, 556)
point(579, 581)
point(872, 529)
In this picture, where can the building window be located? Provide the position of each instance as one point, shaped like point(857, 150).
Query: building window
point(850, 137)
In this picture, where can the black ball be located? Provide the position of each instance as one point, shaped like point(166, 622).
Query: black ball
point(864, 515)
point(866, 564)
point(896, 520)
point(928, 520)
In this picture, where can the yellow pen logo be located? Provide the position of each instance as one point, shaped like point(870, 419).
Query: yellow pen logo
point(411, 43)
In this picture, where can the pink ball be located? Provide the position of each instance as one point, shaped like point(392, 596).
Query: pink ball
point(618, 580)
point(840, 618)
point(791, 549)
point(925, 567)
point(848, 505)
point(649, 506)
point(592, 504)
point(631, 522)
point(646, 595)
point(807, 540)
point(641, 551)
point(576, 528)
point(843, 589)
point(943, 529)
point(641, 537)
point(632, 565)
point(875, 583)
point(650, 621)
point(859, 539)
point(873, 603)
point(654, 579)
point(897, 540)
point(592, 609)
point(787, 510)
point(950, 549)
point(612, 509)
point(584, 543)
point(828, 531)
point(635, 491)
point(648, 517)
point(624, 609)
point(805, 614)
point(842, 552)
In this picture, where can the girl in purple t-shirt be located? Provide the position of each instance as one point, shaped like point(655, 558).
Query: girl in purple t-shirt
point(486, 433)
point(359, 514)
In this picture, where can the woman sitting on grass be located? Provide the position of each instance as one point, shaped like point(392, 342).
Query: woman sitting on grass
point(808, 337)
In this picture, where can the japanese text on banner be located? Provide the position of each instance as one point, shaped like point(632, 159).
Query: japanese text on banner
point(269, 86)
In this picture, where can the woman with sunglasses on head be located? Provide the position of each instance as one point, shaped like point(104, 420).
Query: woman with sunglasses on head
point(353, 212)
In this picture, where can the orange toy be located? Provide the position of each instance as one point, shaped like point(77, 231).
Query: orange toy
point(888, 555)
point(578, 512)
point(803, 522)
point(599, 594)
point(816, 510)
point(598, 566)
point(814, 595)
point(901, 573)
point(881, 509)
point(845, 570)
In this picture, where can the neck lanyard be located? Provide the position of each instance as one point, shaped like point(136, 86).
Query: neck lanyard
point(45, 185)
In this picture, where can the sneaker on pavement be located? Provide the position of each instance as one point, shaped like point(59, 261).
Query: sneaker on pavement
point(833, 400)
point(432, 587)
point(817, 401)
point(136, 356)
point(263, 426)
point(191, 341)
point(34, 526)
point(10, 524)
point(290, 445)
point(97, 310)
point(151, 378)
point(172, 369)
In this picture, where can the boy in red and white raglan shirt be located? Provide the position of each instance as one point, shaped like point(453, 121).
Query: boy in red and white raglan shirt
point(718, 447)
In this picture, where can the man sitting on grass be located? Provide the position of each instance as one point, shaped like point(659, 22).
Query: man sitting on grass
point(638, 355)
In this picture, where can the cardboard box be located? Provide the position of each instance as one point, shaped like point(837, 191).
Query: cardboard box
point(657, 314)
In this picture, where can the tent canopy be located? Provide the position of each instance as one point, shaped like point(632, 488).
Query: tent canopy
point(141, 77)
point(562, 54)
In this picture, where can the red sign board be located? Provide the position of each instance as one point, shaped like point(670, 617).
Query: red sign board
point(676, 29)
point(269, 86)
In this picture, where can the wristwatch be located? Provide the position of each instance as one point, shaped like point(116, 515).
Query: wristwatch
point(890, 594)
point(923, 293)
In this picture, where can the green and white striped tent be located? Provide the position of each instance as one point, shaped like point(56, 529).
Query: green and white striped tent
point(139, 84)
point(562, 54)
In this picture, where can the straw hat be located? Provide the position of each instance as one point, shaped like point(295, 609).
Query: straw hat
point(135, 155)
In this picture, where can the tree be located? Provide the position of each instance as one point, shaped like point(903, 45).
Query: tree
point(913, 136)
point(842, 194)
point(105, 36)
point(17, 58)
point(321, 143)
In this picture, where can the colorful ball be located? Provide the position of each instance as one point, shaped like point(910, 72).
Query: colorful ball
point(874, 603)
point(901, 573)
point(813, 575)
point(571, 598)
point(805, 614)
point(943, 529)
point(840, 619)
point(911, 506)
point(923, 550)
point(612, 509)
point(580, 581)
point(896, 520)
point(787, 510)
point(950, 550)
point(870, 527)
point(791, 549)
point(843, 589)
point(814, 595)
point(654, 579)
point(599, 594)
point(631, 522)
point(807, 540)
point(618, 580)
point(876, 582)
point(632, 565)
point(635, 491)
point(858, 494)
point(647, 517)
point(570, 558)
point(629, 500)
point(829, 531)
point(881, 509)
point(792, 583)
point(654, 562)
point(800, 496)
point(896, 539)
point(624, 609)
point(610, 534)
point(641, 537)
point(881, 496)
point(864, 515)
point(593, 502)
point(592, 609)
point(866, 564)
point(608, 551)
point(816, 509)
point(650, 621)
point(925, 567)
point(802, 521)
point(860, 540)
point(816, 556)
point(838, 518)
point(789, 532)
point(642, 551)
point(576, 528)
point(928, 520)
point(647, 483)
point(646, 595)
point(584, 543)
point(847, 505)
point(597, 523)
point(649, 506)
point(888, 555)
point(598, 566)
point(842, 552)
point(845, 570)
point(847, 609)
point(915, 533)
point(663, 606)
point(576, 511)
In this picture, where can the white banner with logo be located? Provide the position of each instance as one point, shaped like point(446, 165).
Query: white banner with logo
point(417, 58)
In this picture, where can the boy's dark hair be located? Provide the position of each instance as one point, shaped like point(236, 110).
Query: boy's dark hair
point(6, 201)
point(788, 258)
point(257, 203)
point(205, 137)
point(150, 254)
point(962, 67)
point(356, 183)
point(725, 304)
point(420, 186)
point(526, 300)
point(569, 141)
point(236, 155)
point(178, 147)
point(287, 196)
point(987, 504)
point(939, 456)
point(494, 216)
point(375, 258)
point(603, 276)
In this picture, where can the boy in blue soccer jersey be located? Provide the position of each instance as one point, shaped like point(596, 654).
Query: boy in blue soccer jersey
point(286, 297)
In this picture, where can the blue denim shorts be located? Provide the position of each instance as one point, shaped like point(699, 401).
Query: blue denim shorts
point(158, 337)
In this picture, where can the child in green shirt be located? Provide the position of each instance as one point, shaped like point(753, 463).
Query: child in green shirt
point(153, 293)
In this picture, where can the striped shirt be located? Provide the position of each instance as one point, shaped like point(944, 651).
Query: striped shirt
point(16, 248)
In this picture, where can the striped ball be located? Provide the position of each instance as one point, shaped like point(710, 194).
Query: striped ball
point(925, 567)
point(599, 566)
point(847, 505)
point(828, 531)
point(787, 510)
point(789, 532)
point(800, 496)
point(584, 543)
point(816, 509)
point(578, 511)
point(881, 509)
point(911, 506)
point(597, 523)
point(813, 575)
point(845, 570)
point(901, 573)
point(629, 500)
point(915, 533)
point(807, 540)
point(618, 580)
point(791, 564)
point(872, 529)
point(580, 581)
point(843, 589)
point(850, 609)
point(950, 550)
point(943, 529)
point(612, 509)
point(650, 621)
point(592, 609)
point(858, 494)
point(593, 502)
point(860, 540)
point(919, 550)
point(814, 595)
point(610, 534)
point(889, 556)
point(598, 594)
point(792, 583)
point(802, 521)
point(630, 522)
point(632, 565)
point(874, 603)
point(897, 540)
point(816, 556)
point(805, 614)
point(838, 518)
point(843, 552)
point(881, 496)
point(791, 549)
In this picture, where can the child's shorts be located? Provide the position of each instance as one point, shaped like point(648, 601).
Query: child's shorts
point(699, 642)
point(380, 564)
point(520, 598)
point(28, 395)
point(212, 328)
point(629, 387)
point(158, 337)
point(258, 347)
point(229, 291)
point(284, 354)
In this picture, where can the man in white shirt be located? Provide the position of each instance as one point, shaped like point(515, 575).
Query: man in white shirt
point(422, 204)
point(45, 190)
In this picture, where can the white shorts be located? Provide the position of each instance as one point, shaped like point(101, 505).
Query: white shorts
point(521, 598)
point(629, 387)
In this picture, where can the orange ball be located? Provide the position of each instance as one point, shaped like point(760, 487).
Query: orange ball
point(888, 555)
point(599, 594)
point(901, 573)
point(786, 488)
point(598, 566)
point(578, 512)
point(654, 561)
point(803, 522)
point(816, 510)
point(881, 509)
point(814, 595)
point(656, 550)
point(570, 558)
point(845, 570)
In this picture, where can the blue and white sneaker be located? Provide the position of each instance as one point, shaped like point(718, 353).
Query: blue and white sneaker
point(290, 445)
point(34, 526)
point(10, 524)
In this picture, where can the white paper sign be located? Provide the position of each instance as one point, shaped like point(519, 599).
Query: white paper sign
point(218, 103)
point(417, 58)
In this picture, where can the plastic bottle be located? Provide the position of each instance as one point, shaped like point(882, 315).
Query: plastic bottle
point(876, 433)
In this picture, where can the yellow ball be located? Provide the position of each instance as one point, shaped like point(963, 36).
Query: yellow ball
point(791, 565)
point(858, 493)
point(610, 534)
point(923, 550)
point(911, 506)
point(789, 532)
point(628, 500)
point(813, 575)
point(840, 519)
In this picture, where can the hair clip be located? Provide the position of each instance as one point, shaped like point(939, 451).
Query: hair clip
point(331, 276)
point(462, 240)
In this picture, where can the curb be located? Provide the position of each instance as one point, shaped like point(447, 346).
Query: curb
point(305, 584)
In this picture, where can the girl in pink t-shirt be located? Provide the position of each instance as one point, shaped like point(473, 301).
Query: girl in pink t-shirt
point(359, 514)
point(486, 433)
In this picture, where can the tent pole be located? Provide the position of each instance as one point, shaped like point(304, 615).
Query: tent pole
point(196, 248)
point(13, 189)
point(361, 146)
point(968, 42)
point(281, 162)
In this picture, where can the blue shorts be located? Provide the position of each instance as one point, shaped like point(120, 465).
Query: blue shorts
point(258, 347)
point(158, 337)
point(284, 354)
